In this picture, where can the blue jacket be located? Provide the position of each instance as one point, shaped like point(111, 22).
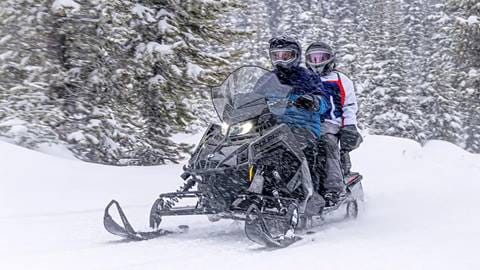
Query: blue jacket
point(303, 82)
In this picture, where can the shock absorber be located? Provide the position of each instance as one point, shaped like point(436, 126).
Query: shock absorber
point(162, 204)
point(171, 201)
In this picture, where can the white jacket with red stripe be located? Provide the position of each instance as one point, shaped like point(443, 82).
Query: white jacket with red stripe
point(342, 99)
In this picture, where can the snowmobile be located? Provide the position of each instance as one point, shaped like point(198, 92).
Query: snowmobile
point(251, 167)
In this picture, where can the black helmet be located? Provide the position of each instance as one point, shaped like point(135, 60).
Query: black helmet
point(320, 58)
point(285, 52)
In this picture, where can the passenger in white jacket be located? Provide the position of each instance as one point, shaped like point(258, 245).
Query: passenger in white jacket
point(339, 123)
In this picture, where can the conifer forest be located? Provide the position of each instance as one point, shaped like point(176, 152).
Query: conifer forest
point(115, 80)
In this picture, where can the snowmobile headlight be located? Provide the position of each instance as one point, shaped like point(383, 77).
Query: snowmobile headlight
point(224, 127)
point(241, 128)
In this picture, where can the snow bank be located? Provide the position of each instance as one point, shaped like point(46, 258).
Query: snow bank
point(56, 150)
point(34, 183)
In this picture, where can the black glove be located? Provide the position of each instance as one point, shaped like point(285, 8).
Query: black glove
point(308, 102)
point(350, 138)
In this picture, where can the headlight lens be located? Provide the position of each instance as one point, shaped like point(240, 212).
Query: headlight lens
point(241, 128)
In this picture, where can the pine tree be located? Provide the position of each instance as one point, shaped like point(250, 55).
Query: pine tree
point(95, 44)
point(439, 99)
point(390, 104)
point(116, 78)
point(369, 86)
point(29, 73)
point(176, 64)
point(258, 18)
point(466, 14)
point(347, 39)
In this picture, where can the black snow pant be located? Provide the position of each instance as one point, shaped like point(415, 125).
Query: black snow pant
point(310, 149)
point(311, 153)
point(345, 161)
point(333, 181)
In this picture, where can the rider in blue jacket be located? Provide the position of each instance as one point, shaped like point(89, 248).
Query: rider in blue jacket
point(307, 96)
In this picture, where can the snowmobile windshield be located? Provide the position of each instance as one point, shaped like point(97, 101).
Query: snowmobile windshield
point(249, 92)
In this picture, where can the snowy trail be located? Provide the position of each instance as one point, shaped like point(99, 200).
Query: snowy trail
point(422, 212)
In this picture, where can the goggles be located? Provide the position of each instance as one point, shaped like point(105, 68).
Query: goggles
point(318, 57)
point(283, 55)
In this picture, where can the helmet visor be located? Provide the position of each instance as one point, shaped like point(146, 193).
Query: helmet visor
point(318, 57)
point(283, 55)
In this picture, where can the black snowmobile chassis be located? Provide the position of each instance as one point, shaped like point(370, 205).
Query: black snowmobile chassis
point(251, 208)
point(254, 209)
point(236, 213)
point(160, 209)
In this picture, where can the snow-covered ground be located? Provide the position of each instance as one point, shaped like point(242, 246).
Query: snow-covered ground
point(422, 212)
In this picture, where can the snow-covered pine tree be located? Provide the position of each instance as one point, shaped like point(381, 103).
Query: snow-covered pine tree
point(403, 107)
point(113, 79)
point(257, 20)
point(369, 31)
point(317, 22)
point(175, 64)
point(118, 76)
point(297, 21)
point(439, 99)
point(29, 73)
point(413, 29)
point(347, 38)
point(95, 42)
point(466, 31)
point(369, 86)
point(390, 107)
point(305, 21)
point(322, 27)
point(290, 16)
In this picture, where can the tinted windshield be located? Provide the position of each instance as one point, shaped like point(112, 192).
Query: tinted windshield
point(247, 92)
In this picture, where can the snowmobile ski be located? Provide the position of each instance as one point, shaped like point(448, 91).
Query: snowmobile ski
point(126, 231)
